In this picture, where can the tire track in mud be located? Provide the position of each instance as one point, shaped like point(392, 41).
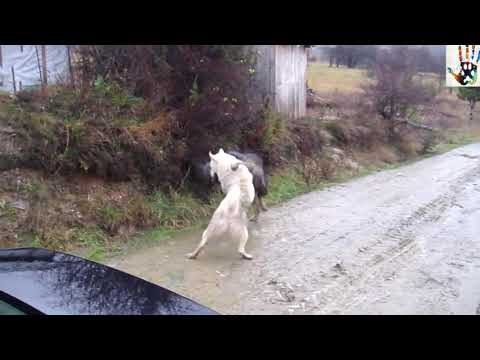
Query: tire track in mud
point(344, 294)
point(390, 251)
point(379, 261)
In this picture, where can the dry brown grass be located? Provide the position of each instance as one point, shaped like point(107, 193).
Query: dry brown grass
point(382, 154)
point(410, 146)
point(315, 169)
point(324, 79)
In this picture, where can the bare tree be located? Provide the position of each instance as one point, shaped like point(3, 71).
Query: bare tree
point(395, 95)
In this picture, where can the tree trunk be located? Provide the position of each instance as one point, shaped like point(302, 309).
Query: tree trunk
point(351, 62)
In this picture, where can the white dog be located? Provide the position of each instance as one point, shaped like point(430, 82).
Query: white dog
point(230, 218)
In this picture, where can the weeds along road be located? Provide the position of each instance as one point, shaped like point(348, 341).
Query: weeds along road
point(403, 241)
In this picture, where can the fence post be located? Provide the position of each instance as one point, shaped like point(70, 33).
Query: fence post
point(1, 65)
point(70, 69)
point(39, 66)
point(44, 68)
point(14, 83)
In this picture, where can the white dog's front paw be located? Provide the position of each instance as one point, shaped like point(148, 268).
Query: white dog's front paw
point(246, 256)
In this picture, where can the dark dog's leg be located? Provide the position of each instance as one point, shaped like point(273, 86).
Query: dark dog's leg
point(262, 204)
point(257, 209)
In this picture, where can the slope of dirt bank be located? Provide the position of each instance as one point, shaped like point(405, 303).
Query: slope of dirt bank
point(403, 241)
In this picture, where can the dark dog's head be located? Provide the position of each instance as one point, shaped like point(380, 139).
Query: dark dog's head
point(203, 174)
point(254, 163)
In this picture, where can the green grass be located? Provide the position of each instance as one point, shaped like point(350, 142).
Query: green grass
point(93, 242)
point(181, 210)
point(285, 185)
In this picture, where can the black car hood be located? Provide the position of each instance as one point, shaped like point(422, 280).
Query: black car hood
point(56, 283)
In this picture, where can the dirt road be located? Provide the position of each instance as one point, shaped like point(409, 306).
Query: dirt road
point(405, 241)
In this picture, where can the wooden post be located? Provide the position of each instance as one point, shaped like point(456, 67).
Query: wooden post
point(44, 69)
point(1, 64)
point(44, 64)
point(14, 84)
point(39, 65)
point(70, 69)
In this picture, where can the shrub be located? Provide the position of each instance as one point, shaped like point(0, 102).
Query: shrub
point(396, 91)
point(339, 132)
point(315, 169)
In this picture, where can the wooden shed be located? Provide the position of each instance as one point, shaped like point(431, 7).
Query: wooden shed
point(281, 71)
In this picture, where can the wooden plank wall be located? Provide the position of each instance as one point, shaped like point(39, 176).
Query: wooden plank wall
point(281, 69)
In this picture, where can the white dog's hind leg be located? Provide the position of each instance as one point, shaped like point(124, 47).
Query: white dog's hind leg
point(243, 242)
point(200, 246)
